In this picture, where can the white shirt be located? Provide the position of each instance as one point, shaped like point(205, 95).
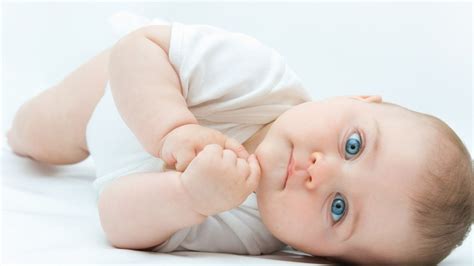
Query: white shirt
point(231, 83)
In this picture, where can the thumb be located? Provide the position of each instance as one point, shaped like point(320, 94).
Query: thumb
point(234, 145)
point(254, 178)
point(167, 156)
point(184, 156)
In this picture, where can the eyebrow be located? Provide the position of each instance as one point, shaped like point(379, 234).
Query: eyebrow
point(375, 137)
point(375, 140)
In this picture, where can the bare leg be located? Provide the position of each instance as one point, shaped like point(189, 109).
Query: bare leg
point(51, 126)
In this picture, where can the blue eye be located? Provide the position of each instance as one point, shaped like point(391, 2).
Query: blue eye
point(338, 208)
point(352, 146)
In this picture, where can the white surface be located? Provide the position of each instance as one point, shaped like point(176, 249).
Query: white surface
point(417, 55)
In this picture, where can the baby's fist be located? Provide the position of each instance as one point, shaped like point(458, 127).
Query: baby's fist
point(179, 147)
point(217, 180)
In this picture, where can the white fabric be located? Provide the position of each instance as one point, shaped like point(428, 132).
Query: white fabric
point(231, 82)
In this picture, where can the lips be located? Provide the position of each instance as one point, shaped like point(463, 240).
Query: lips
point(289, 170)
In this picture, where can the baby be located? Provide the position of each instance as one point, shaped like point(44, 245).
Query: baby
point(206, 140)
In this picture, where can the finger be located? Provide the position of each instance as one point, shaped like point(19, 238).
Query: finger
point(213, 147)
point(213, 150)
point(255, 172)
point(168, 157)
point(183, 158)
point(229, 156)
point(243, 168)
point(238, 148)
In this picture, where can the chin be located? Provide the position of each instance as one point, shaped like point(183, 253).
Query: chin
point(272, 156)
point(272, 211)
point(269, 220)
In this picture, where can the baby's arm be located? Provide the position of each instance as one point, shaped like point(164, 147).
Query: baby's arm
point(146, 88)
point(142, 210)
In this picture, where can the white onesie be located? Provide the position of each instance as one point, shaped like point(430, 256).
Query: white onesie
point(231, 83)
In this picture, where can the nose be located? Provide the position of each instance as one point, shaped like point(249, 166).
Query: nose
point(318, 171)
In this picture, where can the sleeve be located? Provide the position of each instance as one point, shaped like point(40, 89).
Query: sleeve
point(230, 71)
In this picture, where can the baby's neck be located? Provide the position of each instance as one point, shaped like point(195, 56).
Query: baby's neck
point(252, 143)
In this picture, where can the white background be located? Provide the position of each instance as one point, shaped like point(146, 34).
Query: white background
point(414, 54)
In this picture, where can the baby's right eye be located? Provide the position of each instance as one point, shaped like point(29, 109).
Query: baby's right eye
point(338, 208)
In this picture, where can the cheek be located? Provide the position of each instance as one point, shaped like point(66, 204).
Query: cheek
point(304, 126)
point(298, 225)
point(289, 216)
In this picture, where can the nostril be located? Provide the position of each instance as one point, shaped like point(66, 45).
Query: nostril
point(314, 157)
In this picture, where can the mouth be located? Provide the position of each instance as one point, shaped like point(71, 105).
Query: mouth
point(289, 169)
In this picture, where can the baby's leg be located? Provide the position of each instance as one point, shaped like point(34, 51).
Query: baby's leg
point(51, 126)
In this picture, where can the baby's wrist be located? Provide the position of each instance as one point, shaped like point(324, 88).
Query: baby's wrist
point(185, 195)
point(157, 148)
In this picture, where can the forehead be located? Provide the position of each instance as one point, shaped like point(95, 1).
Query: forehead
point(386, 228)
point(384, 187)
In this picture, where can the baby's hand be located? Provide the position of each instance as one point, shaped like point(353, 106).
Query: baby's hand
point(179, 147)
point(217, 180)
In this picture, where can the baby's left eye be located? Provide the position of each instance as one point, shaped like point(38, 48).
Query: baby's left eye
point(338, 208)
point(352, 147)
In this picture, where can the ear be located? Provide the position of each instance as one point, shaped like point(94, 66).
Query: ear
point(368, 98)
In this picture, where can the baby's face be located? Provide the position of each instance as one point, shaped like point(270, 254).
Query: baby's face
point(353, 163)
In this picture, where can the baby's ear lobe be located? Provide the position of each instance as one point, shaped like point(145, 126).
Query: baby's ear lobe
point(368, 98)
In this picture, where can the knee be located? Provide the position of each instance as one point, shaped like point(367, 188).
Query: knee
point(38, 132)
point(24, 146)
point(45, 154)
point(17, 135)
point(20, 146)
point(15, 144)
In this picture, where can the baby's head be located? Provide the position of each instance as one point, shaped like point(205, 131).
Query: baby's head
point(369, 182)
